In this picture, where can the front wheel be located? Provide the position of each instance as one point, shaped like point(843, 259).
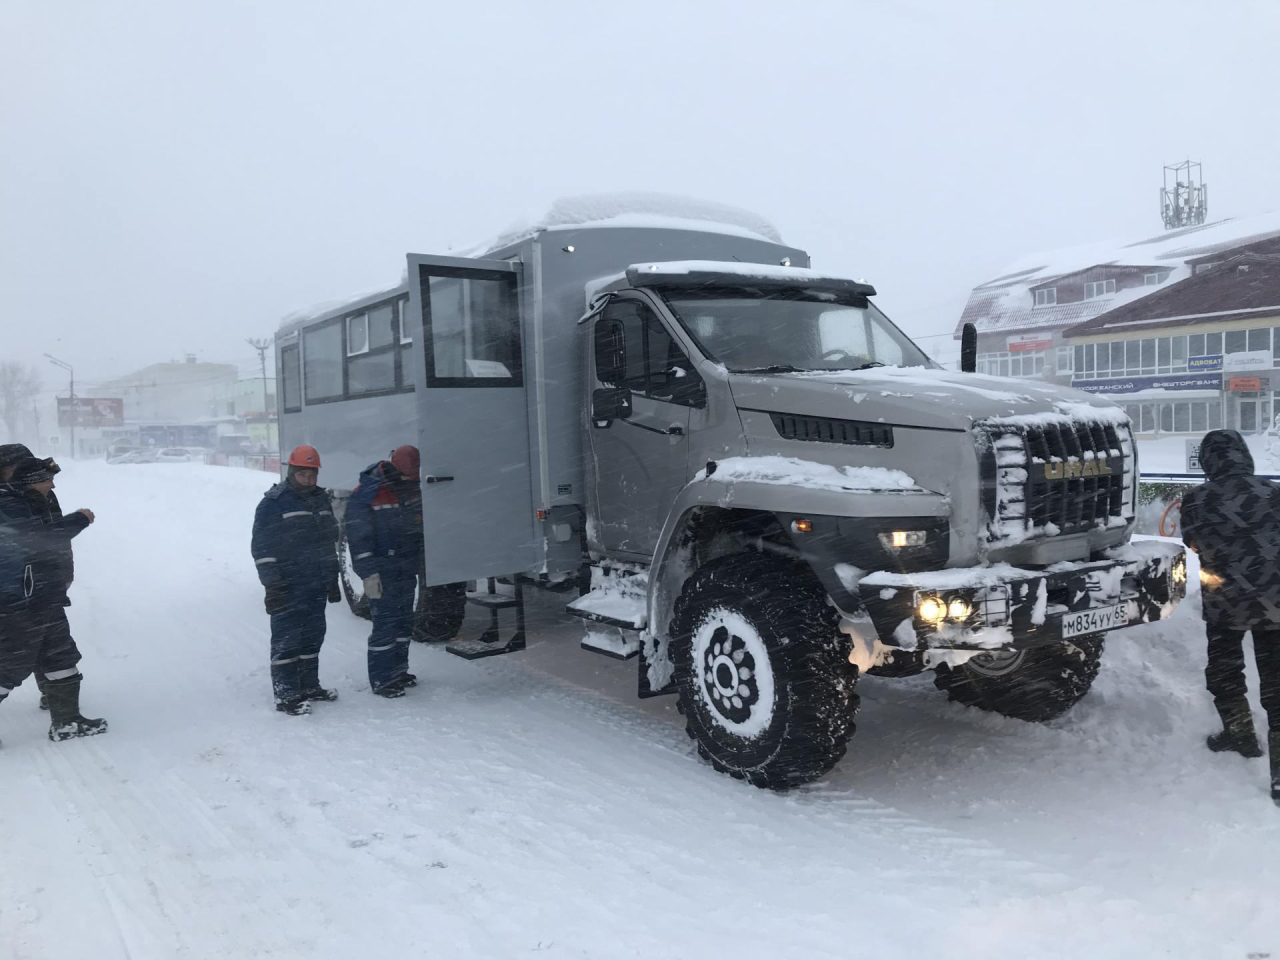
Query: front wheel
point(762, 670)
point(1036, 685)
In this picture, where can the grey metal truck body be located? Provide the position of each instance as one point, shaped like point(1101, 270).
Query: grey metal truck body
point(693, 412)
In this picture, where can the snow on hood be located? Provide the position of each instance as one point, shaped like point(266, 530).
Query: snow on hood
point(918, 396)
point(807, 473)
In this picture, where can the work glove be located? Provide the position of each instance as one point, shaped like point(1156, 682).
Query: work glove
point(335, 592)
point(275, 600)
point(373, 587)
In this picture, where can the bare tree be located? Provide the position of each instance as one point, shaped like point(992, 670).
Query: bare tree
point(19, 386)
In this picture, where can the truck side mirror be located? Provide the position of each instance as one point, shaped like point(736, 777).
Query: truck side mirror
point(611, 352)
point(968, 348)
point(609, 404)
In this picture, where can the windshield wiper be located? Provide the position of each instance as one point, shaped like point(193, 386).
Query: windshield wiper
point(774, 368)
point(871, 363)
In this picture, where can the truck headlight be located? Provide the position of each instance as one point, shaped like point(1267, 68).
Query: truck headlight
point(932, 609)
point(897, 539)
point(1179, 572)
point(957, 609)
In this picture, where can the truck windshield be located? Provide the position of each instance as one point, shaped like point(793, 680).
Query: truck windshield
point(791, 331)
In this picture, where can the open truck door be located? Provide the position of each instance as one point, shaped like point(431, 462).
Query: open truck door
point(473, 419)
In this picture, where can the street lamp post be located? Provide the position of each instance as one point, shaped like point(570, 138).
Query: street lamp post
point(262, 346)
point(71, 371)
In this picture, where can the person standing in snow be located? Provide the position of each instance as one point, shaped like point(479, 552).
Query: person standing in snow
point(295, 549)
point(11, 454)
point(1232, 521)
point(35, 636)
point(384, 533)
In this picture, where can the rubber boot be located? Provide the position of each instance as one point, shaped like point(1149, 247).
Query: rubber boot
point(294, 708)
point(44, 694)
point(1237, 734)
point(1273, 743)
point(64, 710)
point(309, 681)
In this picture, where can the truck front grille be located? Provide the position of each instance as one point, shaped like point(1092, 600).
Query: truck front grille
point(1045, 480)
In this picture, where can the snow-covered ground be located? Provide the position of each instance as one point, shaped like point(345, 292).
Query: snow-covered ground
point(1169, 454)
point(531, 805)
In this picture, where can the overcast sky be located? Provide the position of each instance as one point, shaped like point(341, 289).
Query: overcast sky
point(175, 176)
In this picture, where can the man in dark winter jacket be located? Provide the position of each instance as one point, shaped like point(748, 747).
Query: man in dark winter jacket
point(384, 534)
point(295, 550)
point(34, 633)
point(11, 454)
point(1232, 521)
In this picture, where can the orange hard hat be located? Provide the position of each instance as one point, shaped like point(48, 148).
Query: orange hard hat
point(406, 460)
point(305, 456)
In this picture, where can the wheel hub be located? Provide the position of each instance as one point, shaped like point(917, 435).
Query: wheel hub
point(729, 676)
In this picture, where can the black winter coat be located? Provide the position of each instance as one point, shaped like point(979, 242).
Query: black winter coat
point(1233, 522)
point(42, 536)
point(295, 540)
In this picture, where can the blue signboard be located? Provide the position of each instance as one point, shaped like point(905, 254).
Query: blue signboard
point(1204, 364)
point(1176, 381)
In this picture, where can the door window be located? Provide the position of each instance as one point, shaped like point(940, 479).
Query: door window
point(473, 332)
point(654, 363)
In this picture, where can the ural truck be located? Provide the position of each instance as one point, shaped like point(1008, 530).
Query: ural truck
point(765, 489)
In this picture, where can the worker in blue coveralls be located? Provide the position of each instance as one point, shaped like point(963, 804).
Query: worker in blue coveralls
point(295, 541)
point(384, 534)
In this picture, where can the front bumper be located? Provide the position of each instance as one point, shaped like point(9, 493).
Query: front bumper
point(1013, 608)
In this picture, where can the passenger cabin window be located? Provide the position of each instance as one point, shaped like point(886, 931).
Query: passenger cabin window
point(372, 369)
point(473, 332)
point(291, 378)
point(653, 363)
point(322, 361)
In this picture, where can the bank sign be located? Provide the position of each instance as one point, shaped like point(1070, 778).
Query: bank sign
point(1177, 381)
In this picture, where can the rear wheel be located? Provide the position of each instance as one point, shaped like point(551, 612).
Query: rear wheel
point(762, 670)
point(1036, 685)
point(440, 612)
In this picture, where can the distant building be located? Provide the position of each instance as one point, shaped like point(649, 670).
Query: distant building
point(1021, 315)
point(1195, 355)
point(172, 392)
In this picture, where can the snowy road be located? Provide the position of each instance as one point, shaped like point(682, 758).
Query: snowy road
point(531, 805)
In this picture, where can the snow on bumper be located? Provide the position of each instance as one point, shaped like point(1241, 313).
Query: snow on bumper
point(1001, 606)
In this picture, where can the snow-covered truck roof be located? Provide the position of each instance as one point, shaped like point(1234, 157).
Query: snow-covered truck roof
point(701, 273)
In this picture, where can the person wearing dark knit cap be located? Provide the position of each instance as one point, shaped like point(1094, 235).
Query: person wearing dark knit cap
point(35, 574)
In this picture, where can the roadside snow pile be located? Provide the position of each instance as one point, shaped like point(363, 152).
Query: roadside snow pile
point(639, 209)
point(808, 474)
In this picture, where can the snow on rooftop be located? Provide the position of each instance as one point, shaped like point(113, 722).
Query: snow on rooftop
point(638, 209)
point(1165, 249)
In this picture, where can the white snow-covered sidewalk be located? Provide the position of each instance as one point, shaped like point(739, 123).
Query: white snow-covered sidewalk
point(531, 805)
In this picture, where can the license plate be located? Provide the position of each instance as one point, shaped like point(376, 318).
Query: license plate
point(1095, 620)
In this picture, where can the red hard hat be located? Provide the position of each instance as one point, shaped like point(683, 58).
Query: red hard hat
point(305, 456)
point(406, 460)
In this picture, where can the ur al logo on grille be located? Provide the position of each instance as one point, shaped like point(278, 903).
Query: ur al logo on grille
point(1075, 468)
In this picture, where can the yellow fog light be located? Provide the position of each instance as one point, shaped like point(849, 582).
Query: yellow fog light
point(958, 610)
point(1180, 572)
point(932, 609)
point(897, 539)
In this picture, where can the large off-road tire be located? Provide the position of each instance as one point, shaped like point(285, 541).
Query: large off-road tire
point(352, 587)
point(1035, 685)
point(762, 670)
point(440, 612)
